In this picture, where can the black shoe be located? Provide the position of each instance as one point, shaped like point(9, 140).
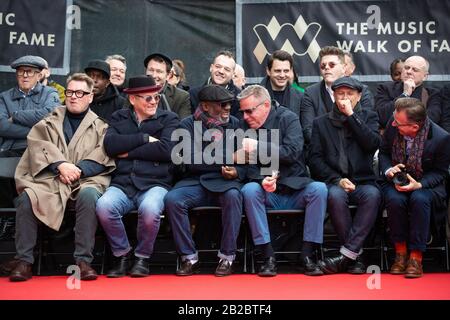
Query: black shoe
point(8, 266)
point(332, 265)
point(121, 266)
point(141, 268)
point(269, 268)
point(225, 268)
point(309, 267)
point(356, 267)
point(187, 268)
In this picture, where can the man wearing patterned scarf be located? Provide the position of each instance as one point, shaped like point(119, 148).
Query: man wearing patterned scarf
point(419, 148)
point(205, 183)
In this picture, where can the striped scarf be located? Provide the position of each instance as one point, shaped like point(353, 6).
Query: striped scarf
point(210, 123)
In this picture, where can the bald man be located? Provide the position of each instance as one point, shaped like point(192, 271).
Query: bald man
point(414, 73)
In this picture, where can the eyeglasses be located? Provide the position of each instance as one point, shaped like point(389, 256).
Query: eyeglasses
point(78, 93)
point(149, 99)
point(249, 111)
point(329, 64)
point(28, 73)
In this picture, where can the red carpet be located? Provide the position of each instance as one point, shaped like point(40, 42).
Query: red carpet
point(433, 286)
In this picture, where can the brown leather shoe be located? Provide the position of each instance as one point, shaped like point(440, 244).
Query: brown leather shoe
point(413, 269)
point(399, 265)
point(8, 266)
point(86, 271)
point(21, 272)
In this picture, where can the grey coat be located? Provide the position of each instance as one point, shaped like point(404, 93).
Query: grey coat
point(24, 111)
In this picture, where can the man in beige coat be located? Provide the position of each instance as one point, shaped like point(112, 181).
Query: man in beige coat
point(64, 161)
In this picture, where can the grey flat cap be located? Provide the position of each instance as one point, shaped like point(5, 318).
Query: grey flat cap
point(31, 61)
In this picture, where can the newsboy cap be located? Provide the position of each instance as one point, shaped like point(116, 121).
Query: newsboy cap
point(98, 65)
point(31, 61)
point(166, 59)
point(141, 84)
point(348, 82)
point(215, 93)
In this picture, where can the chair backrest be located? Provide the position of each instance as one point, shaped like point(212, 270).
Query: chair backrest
point(8, 166)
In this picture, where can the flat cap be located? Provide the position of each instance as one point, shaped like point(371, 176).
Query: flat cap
point(215, 93)
point(166, 59)
point(98, 65)
point(31, 61)
point(348, 82)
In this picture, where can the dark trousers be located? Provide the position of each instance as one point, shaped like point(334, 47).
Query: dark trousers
point(408, 216)
point(179, 201)
point(352, 232)
point(85, 226)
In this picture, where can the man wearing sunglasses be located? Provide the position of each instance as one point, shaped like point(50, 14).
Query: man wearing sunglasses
point(416, 147)
point(107, 98)
point(139, 138)
point(290, 188)
point(203, 184)
point(21, 108)
point(319, 98)
point(64, 161)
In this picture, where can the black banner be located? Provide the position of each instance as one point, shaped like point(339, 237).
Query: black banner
point(30, 27)
point(375, 32)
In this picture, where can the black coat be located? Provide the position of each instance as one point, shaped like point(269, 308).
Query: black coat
point(317, 102)
point(388, 93)
point(445, 99)
point(108, 103)
point(292, 97)
point(435, 164)
point(362, 142)
point(147, 164)
point(208, 175)
point(289, 149)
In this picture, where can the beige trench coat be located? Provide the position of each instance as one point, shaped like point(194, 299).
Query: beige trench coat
point(47, 145)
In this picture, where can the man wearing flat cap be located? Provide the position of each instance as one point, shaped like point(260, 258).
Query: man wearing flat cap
point(341, 154)
point(207, 183)
point(173, 99)
point(21, 108)
point(139, 139)
point(107, 98)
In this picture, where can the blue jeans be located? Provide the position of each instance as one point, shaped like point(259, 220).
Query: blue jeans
point(408, 216)
point(114, 204)
point(353, 232)
point(313, 199)
point(178, 203)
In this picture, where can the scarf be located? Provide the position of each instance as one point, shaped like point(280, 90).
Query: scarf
point(210, 123)
point(413, 161)
point(339, 121)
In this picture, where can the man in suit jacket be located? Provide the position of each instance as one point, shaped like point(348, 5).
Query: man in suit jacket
point(172, 99)
point(289, 188)
point(319, 99)
point(279, 67)
point(414, 73)
point(341, 154)
point(205, 183)
point(414, 159)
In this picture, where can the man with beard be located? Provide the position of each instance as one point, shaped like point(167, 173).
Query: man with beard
point(207, 184)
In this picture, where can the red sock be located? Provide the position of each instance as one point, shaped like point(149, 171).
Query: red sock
point(416, 255)
point(400, 248)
